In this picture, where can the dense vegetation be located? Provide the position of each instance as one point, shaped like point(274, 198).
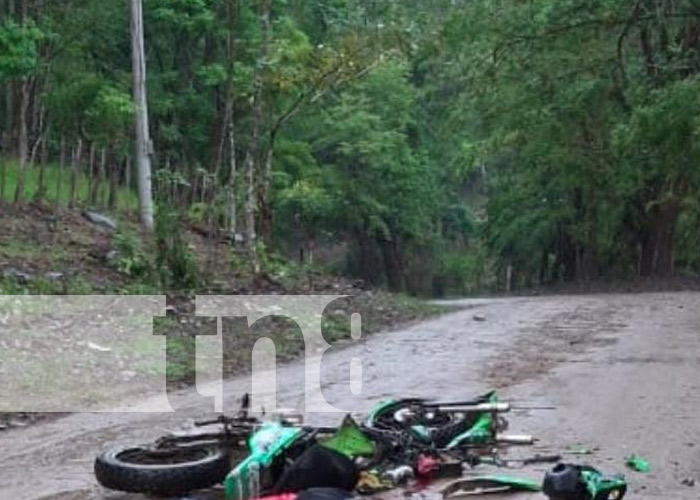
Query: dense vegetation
point(434, 146)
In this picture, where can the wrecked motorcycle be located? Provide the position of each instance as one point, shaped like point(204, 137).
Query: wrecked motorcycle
point(251, 456)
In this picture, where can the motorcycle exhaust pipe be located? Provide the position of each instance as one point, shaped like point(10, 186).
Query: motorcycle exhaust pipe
point(515, 439)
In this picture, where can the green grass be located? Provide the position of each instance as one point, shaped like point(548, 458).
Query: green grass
point(126, 198)
point(41, 286)
point(15, 249)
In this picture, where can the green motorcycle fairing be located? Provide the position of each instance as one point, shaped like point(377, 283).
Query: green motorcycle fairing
point(272, 439)
point(350, 440)
point(514, 482)
point(243, 482)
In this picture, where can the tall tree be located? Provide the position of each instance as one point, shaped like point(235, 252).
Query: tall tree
point(231, 17)
point(252, 158)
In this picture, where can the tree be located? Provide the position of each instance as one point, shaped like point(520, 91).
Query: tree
point(18, 60)
point(253, 152)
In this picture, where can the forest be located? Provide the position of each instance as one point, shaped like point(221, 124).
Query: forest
point(432, 147)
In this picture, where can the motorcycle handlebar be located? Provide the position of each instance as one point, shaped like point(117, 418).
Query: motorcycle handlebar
point(223, 419)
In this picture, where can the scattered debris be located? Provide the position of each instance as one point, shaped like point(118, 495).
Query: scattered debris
point(400, 475)
point(54, 276)
point(582, 482)
point(99, 348)
point(541, 459)
point(517, 463)
point(581, 451)
point(638, 464)
point(488, 484)
point(370, 483)
point(430, 467)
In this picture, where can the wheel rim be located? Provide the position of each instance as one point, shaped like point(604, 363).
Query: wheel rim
point(386, 419)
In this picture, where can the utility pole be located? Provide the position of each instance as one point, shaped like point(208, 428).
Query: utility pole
point(143, 142)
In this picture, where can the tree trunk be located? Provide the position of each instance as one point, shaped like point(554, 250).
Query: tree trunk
point(127, 175)
point(61, 166)
point(509, 277)
point(3, 179)
point(101, 177)
point(92, 177)
point(38, 121)
point(567, 255)
point(9, 139)
point(544, 267)
point(41, 188)
point(113, 182)
point(657, 249)
point(143, 158)
point(75, 171)
point(231, 10)
point(40, 142)
point(250, 205)
point(231, 192)
point(219, 134)
point(265, 211)
point(392, 264)
point(252, 155)
point(368, 264)
point(44, 154)
point(23, 145)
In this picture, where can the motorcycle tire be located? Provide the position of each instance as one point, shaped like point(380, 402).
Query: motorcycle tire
point(161, 472)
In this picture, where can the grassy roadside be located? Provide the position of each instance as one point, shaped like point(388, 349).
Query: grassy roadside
point(57, 186)
point(44, 250)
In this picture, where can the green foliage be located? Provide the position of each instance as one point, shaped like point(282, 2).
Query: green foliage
point(309, 205)
point(18, 49)
point(461, 272)
point(132, 260)
point(174, 260)
point(458, 139)
point(388, 189)
point(584, 120)
point(109, 116)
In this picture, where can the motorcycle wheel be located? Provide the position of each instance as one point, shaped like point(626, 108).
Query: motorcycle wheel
point(161, 472)
point(385, 420)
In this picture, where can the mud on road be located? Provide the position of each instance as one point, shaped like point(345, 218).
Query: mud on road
point(623, 372)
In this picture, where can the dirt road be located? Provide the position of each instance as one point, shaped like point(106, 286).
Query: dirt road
point(622, 370)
